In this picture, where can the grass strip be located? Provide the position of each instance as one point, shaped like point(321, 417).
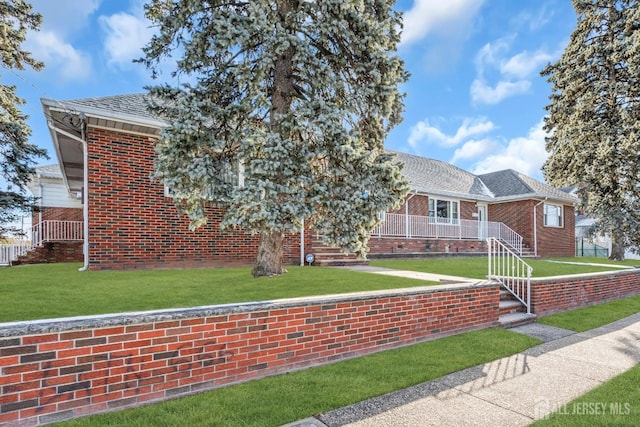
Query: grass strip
point(285, 398)
point(614, 403)
point(59, 290)
point(583, 319)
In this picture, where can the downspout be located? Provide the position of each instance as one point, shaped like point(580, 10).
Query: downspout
point(302, 244)
point(535, 227)
point(85, 191)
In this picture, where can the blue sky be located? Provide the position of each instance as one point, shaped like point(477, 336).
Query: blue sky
point(475, 97)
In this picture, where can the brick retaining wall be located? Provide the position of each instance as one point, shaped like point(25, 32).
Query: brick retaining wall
point(66, 368)
point(554, 294)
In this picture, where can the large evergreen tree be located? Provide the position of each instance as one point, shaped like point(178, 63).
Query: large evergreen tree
point(299, 96)
point(17, 155)
point(594, 117)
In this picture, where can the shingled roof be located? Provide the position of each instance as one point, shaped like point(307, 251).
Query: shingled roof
point(444, 179)
point(426, 175)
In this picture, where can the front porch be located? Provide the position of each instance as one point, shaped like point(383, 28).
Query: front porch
point(416, 236)
point(425, 227)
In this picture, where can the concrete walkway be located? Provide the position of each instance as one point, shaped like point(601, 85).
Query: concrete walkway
point(432, 277)
point(513, 391)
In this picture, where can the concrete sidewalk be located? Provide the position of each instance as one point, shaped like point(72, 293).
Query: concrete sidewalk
point(514, 391)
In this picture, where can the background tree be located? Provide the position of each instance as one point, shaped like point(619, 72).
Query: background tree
point(594, 117)
point(17, 155)
point(299, 95)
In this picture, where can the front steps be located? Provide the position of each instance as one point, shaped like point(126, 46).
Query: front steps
point(327, 256)
point(512, 312)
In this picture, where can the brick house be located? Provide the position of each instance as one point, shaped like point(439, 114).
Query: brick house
point(105, 151)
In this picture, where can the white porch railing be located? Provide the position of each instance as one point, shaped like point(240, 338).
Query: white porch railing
point(46, 231)
point(401, 225)
point(510, 270)
point(57, 231)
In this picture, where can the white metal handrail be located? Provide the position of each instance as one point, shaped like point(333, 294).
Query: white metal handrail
point(408, 226)
point(510, 270)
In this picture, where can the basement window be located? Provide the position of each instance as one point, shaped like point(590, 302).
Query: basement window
point(552, 215)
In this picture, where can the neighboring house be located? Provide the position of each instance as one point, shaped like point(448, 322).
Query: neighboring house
point(589, 243)
point(105, 151)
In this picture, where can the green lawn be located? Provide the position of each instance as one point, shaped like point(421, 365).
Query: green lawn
point(59, 290)
point(289, 397)
point(476, 267)
point(583, 319)
point(63, 291)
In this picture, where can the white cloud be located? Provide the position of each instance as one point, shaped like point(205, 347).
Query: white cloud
point(473, 149)
point(423, 131)
point(525, 63)
point(534, 20)
point(492, 54)
point(126, 35)
point(512, 73)
point(68, 62)
point(525, 154)
point(65, 17)
point(443, 17)
point(482, 93)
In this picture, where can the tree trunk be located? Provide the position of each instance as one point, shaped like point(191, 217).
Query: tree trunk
point(270, 251)
point(617, 247)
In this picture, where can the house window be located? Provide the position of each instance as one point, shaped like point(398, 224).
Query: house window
point(552, 215)
point(444, 211)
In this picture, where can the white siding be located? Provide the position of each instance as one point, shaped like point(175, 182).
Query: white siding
point(55, 194)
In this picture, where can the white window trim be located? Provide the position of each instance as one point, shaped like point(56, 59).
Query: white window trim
point(440, 220)
point(560, 217)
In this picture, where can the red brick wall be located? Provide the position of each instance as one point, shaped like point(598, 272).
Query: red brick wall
point(133, 225)
point(396, 246)
point(557, 241)
point(57, 214)
point(74, 369)
point(552, 241)
point(550, 296)
point(467, 209)
point(51, 252)
point(418, 205)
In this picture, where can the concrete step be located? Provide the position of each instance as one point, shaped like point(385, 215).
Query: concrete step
point(515, 319)
point(510, 306)
point(339, 262)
